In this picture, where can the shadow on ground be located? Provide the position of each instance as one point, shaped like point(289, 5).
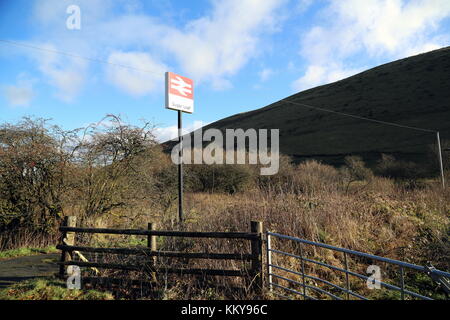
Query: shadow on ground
point(24, 268)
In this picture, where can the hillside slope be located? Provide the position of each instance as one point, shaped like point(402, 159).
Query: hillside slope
point(414, 91)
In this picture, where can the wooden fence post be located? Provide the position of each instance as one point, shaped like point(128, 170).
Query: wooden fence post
point(67, 238)
point(256, 268)
point(151, 243)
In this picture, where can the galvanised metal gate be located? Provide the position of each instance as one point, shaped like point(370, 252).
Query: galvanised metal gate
point(305, 286)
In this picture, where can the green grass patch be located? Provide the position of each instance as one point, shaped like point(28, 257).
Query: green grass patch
point(49, 289)
point(21, 252)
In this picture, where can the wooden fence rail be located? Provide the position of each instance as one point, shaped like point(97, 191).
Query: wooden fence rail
point(166, 254)
point(255, 273)
point(140, 232)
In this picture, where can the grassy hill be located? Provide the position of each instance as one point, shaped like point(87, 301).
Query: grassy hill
point(414, 91)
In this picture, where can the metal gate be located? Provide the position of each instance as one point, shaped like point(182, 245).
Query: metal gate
point(298, 281)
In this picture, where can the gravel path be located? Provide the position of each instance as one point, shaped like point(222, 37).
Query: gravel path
point(23, 268)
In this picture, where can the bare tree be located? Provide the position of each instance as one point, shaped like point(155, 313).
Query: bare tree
point(33, 162)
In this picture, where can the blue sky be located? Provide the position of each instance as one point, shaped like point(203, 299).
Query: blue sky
point(242, 54)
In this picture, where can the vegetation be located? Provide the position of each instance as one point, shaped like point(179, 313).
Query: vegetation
point(20, 252)
point(47, 173)
point(116, 175)
point(412, 91)
point(49, 289)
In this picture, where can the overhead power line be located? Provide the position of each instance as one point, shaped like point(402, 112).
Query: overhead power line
point(68, 54)
point(284, 100)
point(359, 117)
point(438, 139)
point(148, 71)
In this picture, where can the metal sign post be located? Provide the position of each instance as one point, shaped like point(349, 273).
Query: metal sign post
point(180, 97)
point(180, 169)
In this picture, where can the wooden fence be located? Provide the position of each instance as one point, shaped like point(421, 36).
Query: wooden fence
point(255, 236)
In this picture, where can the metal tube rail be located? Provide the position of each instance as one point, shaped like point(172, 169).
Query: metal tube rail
point(347, 280)
point(358, 253)
point(269, 262)
point(386, 285)
point(336, 286)
point(303, 270)
point(308, 286)
point(282, 296)
point(324, 281)
point(291, 290)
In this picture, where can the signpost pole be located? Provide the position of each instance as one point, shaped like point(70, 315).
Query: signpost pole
point(180, 169)
point(180, 97)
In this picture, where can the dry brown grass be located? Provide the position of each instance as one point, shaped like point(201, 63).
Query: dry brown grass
point(379, 217)
point(313, 202)
point(370, 221)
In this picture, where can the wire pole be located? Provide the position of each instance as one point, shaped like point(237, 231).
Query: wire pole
point(440, 159)
point(380, 122)
point(180, 169)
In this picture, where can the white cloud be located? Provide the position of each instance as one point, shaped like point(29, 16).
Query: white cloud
point(171, 132)
point(220, 44)
point(381, 29)
point(390, 26)
point(66, 74)
point(20, 94)
point(425, 47)
point(216, 46)
point(209, 49)
point(134, 81)
point(303, 5)
point(265, 74)
point(67, 79)
point(316, 75)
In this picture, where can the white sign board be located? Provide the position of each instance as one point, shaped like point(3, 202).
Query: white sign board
point(179, 93)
